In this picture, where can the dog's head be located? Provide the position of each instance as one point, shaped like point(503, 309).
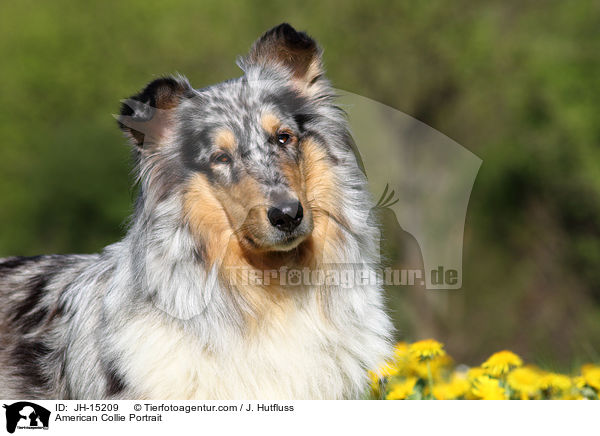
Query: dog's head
point(252, 157)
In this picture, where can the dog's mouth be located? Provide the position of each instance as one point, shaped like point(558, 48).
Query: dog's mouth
point(276, 243)
point(288, 243)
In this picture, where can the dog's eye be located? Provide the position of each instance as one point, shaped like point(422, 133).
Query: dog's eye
point(283, 138)
point(222, 158)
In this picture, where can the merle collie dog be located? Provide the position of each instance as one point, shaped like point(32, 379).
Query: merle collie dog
point(246, 190)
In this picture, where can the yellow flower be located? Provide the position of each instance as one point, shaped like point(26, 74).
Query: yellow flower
point(472, 375)
point(572, 396)
point(502, 376)
point(591, 375)
point(555, 382)
point(437, 366)
point(475, 373)
point(401, 390)
point(416, 368)
point(427, 349)
point(387, 369)
point(501, 363)
point(373, 377)
point(526, 381)
point(586, 367)
point(579, 382)
point(487, 388)
point(375, 385)
point(456, 388)
point(402, 358)
point(442, 362)
point(401, 351)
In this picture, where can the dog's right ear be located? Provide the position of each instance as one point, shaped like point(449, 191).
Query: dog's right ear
point(147, 117)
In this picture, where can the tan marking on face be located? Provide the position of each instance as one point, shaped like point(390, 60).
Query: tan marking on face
point(322, 192)
point(321, 182)
point(245, 206)
point(211, 225)
point(207, 219)
point(270, 123)
point(293, 174)
point(225, 140)
point(227, 222)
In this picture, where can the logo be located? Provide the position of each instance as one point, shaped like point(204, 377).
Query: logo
point(26, 415)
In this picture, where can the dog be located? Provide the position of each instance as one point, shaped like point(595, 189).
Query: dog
point(251, 175)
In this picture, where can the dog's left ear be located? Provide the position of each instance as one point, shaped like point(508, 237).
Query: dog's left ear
point(147, 117)
point(296, 51)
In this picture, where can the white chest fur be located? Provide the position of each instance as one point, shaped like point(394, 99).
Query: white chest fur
point(297, 356)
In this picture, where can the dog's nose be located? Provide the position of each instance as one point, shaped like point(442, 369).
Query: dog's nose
point(286, 216)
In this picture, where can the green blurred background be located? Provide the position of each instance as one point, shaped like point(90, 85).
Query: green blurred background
point(517, 83)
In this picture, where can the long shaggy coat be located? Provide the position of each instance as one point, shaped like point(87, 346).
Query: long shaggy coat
point(166, 313)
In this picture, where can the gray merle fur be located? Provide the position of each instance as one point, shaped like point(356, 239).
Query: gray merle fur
point(66, 321)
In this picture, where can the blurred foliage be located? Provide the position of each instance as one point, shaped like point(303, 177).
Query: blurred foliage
point(515, 82)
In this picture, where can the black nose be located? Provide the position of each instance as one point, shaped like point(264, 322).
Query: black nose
point(286, 216)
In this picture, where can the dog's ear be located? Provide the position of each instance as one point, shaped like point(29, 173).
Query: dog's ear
point(285, 46)
point(146, 118)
